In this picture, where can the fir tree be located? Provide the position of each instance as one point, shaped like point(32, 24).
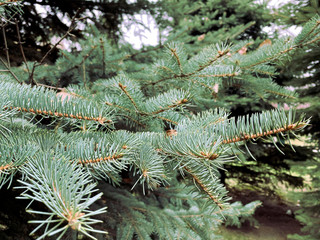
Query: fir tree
point(304, 77)
point(125, 149)
point(231, 21)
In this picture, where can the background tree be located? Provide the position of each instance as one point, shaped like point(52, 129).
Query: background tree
point(304, 76)
point(40, 21)
point(216, 20)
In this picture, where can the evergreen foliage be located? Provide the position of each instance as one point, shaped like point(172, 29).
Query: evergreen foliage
point(270, 168)
point(40, 21)
point(309, 212)
point(304, 76)
point(216, 20)
point(137, 132)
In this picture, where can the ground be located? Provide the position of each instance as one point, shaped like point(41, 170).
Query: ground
point(275, 217)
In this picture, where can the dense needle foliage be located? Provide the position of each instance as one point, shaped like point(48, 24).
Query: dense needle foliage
point(120, 148)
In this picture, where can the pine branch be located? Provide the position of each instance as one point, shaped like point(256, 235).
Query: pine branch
point(217, 75)
point(59, 170)
point(309, 28)
point(67, 193)
point(174, 52)
point(264, 70)
point(43, 102)
point(123, 88)
point(101, 159)
point(279, 94)
point(100, 120)
point(283, 52)
point(246, 137)
point(167, 120)
point(205, 189)
point(147, 114)
point(260, 125)
point(170, 106)
point(117, 106)
point(200, 68)
point(14, 154)
point(210, 62)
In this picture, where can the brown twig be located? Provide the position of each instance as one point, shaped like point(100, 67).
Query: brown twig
point(202, 67)
point(174, 52)
point(280, 94)
point(9, 70)
point(99, 119)
point(129, 56)
point(118, 106)
point(36, 64)
point(6, 45)
point(246, 137)
point(6, 167)
point(167, 120)
point(141, 113)
point(103, 59)
point(101, 159)
point(217, 75)
point(83, 60)
point(21, 48)
point(123, 88)
point(51, 87)
point(204, 188)
point(170, 106)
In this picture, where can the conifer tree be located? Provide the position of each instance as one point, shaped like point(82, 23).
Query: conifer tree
point(40, 21)
point(304, 77)
point(230, 21)
point(124, 152)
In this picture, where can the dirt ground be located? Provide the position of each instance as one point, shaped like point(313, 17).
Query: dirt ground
point(276, 220)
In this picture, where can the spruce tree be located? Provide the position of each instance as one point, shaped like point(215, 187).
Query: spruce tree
point(125, 152)
point(304, 77)
point(230, 21)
